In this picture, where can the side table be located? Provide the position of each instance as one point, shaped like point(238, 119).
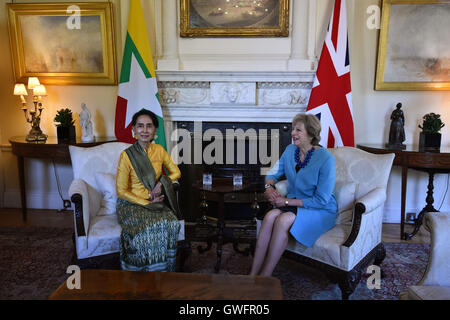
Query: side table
point(413, 158)
point(222, 191)
point(50, 149)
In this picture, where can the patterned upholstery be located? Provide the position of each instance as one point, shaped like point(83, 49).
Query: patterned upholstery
point(360, 177)
point(435, 283)
point(102, 230)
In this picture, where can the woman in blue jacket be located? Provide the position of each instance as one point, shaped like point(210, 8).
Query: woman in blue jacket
point(310, 208)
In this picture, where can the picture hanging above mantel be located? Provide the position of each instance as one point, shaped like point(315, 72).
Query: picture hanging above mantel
point(414, 46)
point(63, 43)
point(234, 18)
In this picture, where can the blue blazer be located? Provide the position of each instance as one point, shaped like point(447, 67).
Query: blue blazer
point(314, 185)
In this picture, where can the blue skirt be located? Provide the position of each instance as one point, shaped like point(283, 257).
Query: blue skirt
point(310, 224)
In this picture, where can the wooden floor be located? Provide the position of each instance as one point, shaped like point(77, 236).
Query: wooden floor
point(40, 218)
point(64, 219)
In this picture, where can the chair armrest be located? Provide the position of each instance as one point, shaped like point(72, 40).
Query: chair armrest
point(438, 266)
point(373, 199)
point(176, 189)
point(364, 205)
point(80, 197)
point(181, 234)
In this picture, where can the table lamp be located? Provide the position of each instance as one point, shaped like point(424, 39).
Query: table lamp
point(32, 116)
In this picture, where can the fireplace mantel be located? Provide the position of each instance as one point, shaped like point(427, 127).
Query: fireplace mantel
point(233, 96)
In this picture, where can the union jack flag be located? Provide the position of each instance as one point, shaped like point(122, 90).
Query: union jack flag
point(331, 96)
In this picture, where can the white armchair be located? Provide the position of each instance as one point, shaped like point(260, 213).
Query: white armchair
point(93, 192)
point(354, 242)
point(435, 283)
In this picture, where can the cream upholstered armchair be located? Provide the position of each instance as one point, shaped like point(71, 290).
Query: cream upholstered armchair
point(93, 192)
point(435, 283)
point(354, 242)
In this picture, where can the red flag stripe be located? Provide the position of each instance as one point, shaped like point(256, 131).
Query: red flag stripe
point(331, 141)
point(336, 18)
point(123, 133)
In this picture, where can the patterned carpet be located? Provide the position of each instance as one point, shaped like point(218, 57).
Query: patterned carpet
point(33, 263)
point(404, 265)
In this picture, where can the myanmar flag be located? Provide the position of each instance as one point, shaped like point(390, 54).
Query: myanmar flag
point(138, 88)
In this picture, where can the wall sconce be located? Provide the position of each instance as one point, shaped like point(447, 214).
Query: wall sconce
point(33, 116)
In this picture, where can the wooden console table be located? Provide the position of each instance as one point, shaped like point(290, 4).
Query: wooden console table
point(413, 158)
point(49, 149)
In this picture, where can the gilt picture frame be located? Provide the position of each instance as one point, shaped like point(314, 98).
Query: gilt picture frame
point(414, 47)
point(234, 18)
point(63, 43)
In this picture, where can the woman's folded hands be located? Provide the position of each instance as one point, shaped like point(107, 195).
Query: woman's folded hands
point(156, 194)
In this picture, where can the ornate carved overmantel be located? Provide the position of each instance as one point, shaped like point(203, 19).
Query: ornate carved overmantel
point(233, 96)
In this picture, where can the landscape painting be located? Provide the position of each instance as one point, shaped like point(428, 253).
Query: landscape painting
point(63, 43)
point(65, 50)
point(414, 47)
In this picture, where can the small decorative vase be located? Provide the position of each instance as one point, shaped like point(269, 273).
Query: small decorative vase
point(429, 141)
point(66, 134)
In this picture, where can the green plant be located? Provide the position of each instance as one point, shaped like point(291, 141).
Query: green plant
point(432, 123)
point(64, 118)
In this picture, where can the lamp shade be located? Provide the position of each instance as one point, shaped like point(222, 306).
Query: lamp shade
point(33, 82)
point(40, 90)
point(20, 90)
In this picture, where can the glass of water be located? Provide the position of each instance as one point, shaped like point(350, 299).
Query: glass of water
point(207, 179)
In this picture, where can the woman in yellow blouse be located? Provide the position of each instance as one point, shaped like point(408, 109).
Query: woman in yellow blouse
point(147, 208)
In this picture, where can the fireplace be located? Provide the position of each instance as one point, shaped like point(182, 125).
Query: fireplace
point(245, 142)
point(237, 108)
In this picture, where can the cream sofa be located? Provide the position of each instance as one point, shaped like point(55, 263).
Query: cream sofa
point(93, 192)
point(354, 242)
point(435, 283)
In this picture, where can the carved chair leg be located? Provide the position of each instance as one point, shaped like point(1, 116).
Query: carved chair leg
point(379, 257)
point(184, 250)
point(348, 282)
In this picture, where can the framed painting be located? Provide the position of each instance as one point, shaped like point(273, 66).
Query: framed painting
point(414, 46)
point(234, 18)
point(63, 43)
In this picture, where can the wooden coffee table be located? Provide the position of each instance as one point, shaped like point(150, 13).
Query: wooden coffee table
point(123, 285)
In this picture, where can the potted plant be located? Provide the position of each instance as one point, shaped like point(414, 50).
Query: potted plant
point(64, 122)
point(430, 138)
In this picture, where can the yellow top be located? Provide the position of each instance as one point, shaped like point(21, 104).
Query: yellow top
point(128, 185)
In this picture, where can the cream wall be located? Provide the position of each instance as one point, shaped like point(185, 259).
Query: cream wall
point(372, 110)
point(42, 191)
point(309, 19)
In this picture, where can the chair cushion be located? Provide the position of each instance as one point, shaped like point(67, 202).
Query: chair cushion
point(107, 185)
point(103, 158)
point(367, 170)
point(428, 293)
point(104, 235)
point(326, 249)
point(344, 192)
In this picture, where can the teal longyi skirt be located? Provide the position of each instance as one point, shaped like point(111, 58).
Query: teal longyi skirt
point(149, 237)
